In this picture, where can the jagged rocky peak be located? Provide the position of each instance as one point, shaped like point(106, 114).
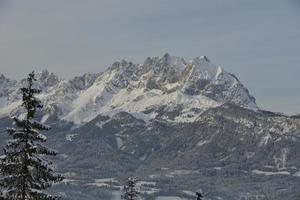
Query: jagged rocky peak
point(5, 85)
point(164, 70)
point(153, 65)
point(4, 81)
point(202, 59)
point(166, 84)
point(45, 79)
point(119, 75)
point(172, 61)
point(122, 66)
point(203, 68)
point(49, 78)
point(84, 81)
point(156, 72)
point(2, 78)
point(164, 64)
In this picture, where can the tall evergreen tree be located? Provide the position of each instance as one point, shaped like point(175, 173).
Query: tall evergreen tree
point(26, 172)
point(199, 195)
point(130, 192)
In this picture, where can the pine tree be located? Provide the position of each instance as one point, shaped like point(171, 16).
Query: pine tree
point(130, 192)
point(199, 195)
point(26, 172)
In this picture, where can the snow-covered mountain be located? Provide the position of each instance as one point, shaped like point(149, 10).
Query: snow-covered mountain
point(169, 83)
point(177, 125)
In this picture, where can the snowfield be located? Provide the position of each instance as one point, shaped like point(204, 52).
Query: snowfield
point(169, 83)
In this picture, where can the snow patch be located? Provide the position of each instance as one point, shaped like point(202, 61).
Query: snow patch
point(63, 155)
point(99, 184)
point(169, 198)
point(264, 141)
point(190, 193)
point(119, 142)
point(202, 142)
point(102, 123)
point(44, 118)
point(181, 173)
point(70, 137)
point(297, 174)
point(270, 173)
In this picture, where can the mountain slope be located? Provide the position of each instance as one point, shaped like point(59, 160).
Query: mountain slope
point(228, 151)
point(188, 88)
point(178, 126)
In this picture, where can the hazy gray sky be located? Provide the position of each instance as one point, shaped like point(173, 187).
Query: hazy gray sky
point(258, 40)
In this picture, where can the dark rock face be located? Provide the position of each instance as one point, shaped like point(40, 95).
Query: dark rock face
point(228, 151)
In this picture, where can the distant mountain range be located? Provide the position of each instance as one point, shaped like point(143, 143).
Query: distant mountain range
point(177, 125)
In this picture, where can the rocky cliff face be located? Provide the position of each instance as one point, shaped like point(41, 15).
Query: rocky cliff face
point(178, 126)
point(140, 89)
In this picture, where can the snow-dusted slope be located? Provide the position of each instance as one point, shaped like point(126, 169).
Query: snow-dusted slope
point(155, 88)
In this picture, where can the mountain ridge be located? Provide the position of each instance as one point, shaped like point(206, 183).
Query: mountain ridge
point(178, 125)
point(160, 81)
